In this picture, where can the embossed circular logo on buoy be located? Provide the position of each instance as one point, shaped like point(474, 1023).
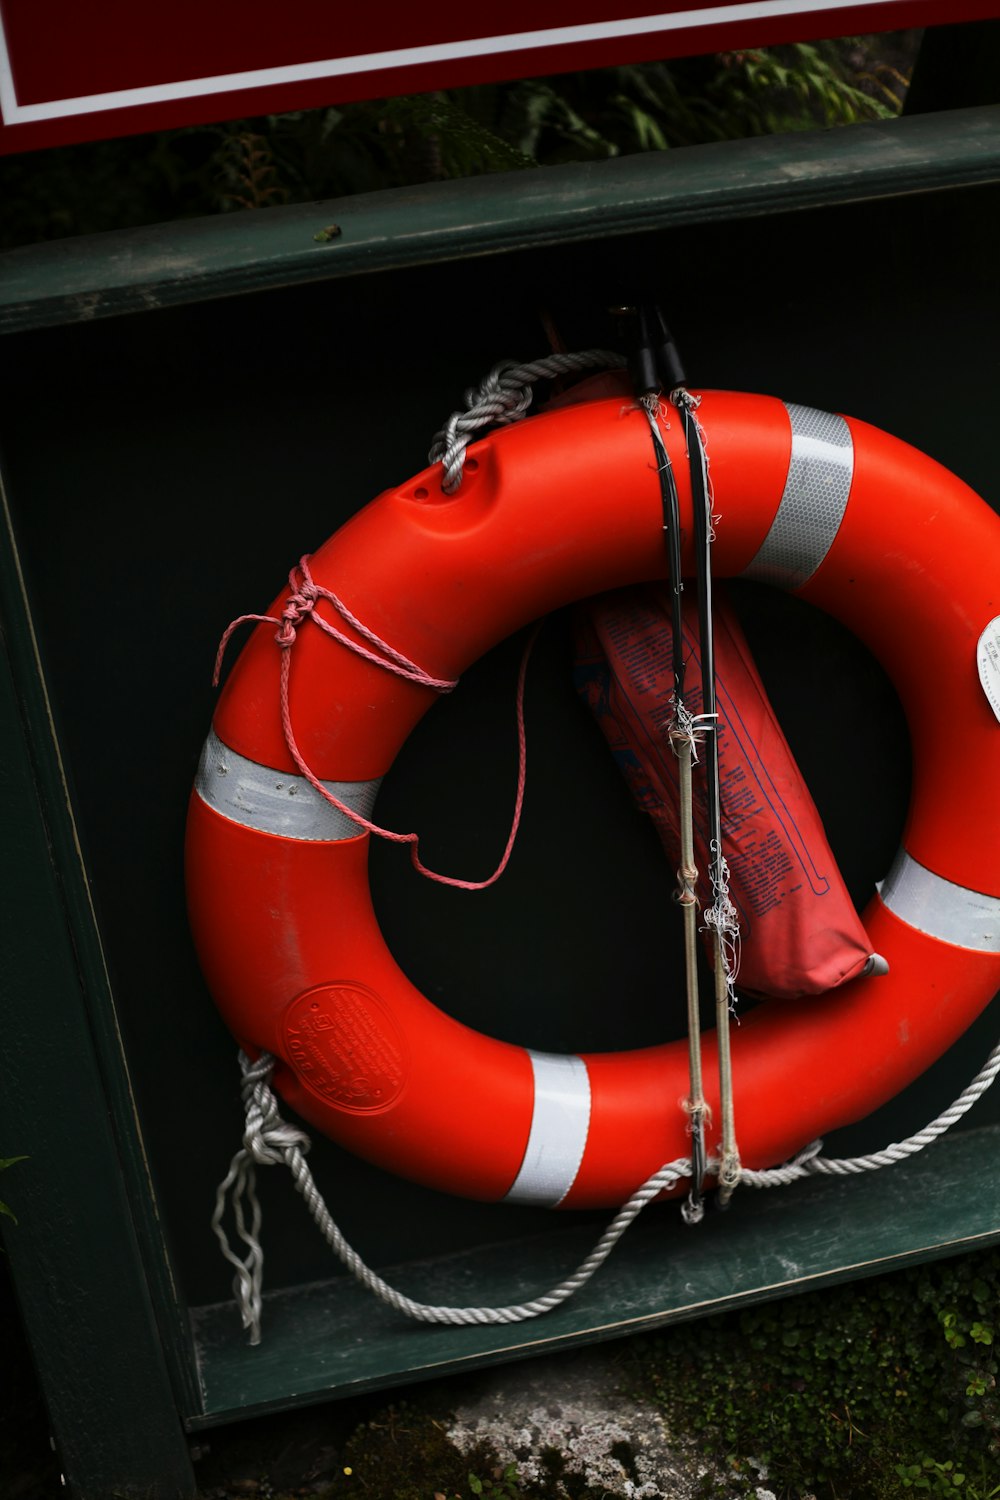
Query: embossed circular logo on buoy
point(345, 1047)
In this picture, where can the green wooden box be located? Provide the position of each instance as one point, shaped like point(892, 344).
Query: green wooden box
point(188, 408)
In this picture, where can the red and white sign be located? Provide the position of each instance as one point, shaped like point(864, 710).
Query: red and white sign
point(74, 70)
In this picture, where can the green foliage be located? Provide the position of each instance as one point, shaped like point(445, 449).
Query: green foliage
point(935, 1478)
point(503, 1485)
point(870, 1390)
point(775, 91)
point(327, 153)
point(689, 101)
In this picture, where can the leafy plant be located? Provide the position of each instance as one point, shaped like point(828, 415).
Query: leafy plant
point(502, 1486)
point(248, 172)
point(934, 1478)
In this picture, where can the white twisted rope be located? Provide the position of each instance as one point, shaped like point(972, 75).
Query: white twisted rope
point(269, 1140)
point(501, 398)
point(809, 1164)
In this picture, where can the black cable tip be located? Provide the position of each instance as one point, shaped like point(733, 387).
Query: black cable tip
point(654, 362)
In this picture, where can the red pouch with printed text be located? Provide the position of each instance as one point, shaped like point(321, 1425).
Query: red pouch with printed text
point(800, 934)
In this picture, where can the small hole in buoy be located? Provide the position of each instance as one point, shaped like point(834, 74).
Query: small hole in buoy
point(471, 465)
point(420, 494)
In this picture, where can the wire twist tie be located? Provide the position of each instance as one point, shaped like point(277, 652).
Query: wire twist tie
point(680, 396)
point(685, 728)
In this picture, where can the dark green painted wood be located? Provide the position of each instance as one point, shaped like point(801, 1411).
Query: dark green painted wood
point(138, 270)
point(74, 1252)
point(74, 887)
point(335, 1339)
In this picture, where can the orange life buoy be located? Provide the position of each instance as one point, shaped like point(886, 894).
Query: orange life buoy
point(560, 507)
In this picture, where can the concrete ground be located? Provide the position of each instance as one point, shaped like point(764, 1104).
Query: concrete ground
point(577, 1407)
point(566, 1426)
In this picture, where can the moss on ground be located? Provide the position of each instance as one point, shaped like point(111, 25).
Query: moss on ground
point(867, 1391)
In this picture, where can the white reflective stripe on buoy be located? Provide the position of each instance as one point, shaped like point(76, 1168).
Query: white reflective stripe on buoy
point(559, 1128)
point(941, 909)
point(274, 801)
point(812, 505)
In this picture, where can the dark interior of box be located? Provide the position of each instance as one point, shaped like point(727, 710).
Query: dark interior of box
point(165, 471)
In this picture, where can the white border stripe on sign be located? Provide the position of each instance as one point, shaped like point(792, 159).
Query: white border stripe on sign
point(275, 801)
point(559, 1127)
point(940, 908)
point(405, 57)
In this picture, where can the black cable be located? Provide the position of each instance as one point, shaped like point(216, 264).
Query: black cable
point(672, 544)
point(703, 562)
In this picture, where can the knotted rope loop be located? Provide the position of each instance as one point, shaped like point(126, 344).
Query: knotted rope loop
point(268, 1141)
point(501, 398)
point(267, 1138)
point(300, 603)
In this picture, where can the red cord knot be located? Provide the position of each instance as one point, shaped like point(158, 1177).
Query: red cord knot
point(299, 605)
